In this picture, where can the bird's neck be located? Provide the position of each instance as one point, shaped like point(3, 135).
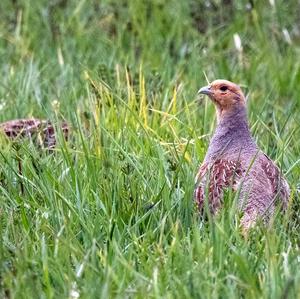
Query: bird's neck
point(232, 133)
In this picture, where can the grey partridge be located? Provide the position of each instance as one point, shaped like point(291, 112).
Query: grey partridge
point(234, 161)
point(41, 131)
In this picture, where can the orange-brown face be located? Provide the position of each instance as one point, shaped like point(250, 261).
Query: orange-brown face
point(225, 94)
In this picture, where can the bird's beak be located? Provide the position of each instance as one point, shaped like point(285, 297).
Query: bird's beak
point(205, 90)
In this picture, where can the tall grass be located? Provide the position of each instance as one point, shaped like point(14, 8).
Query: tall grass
point(110, 214)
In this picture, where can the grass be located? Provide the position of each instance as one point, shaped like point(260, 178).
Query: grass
point(110, 214)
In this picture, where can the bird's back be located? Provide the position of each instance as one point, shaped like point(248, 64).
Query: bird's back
point(43, 131)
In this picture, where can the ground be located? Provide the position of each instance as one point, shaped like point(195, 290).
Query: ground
point(110, 214)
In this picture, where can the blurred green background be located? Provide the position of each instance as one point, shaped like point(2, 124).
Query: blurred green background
point(111, 213)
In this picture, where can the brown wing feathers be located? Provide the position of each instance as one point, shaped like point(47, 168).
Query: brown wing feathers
point(212, 180)
point(42, 131)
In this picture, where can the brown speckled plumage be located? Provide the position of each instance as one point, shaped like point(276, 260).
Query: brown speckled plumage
point(234, 161)
point(41, 131)
point(213, 179)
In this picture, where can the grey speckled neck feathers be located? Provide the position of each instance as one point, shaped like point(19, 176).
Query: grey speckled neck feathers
point(232, 134)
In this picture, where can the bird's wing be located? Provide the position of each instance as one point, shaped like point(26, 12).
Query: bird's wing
point(42, 131)
point(213, 178)
point(20, 127)
point(278, 183)
point(262, 188)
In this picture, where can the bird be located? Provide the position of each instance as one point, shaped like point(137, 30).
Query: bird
point(41, 131)
point(234, 162)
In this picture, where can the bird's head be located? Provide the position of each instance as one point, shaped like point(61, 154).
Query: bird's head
point(225, 94)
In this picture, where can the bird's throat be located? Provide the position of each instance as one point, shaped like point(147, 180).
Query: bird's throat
point(232, 132)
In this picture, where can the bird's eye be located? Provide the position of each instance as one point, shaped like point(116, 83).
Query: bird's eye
point(223, 88)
